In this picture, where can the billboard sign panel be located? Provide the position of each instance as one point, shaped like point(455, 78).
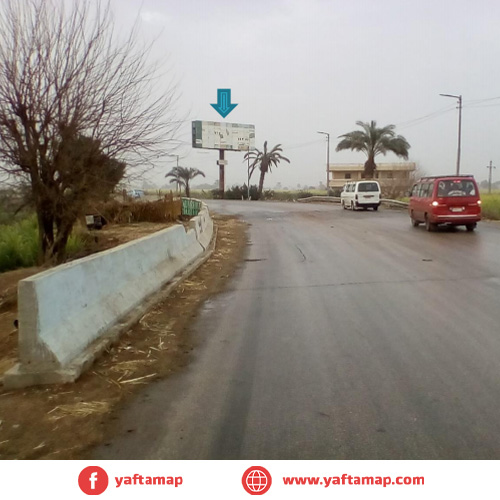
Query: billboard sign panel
point(221, 135)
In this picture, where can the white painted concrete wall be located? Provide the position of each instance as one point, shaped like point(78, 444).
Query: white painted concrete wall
point(62, 311)
point(203, 226)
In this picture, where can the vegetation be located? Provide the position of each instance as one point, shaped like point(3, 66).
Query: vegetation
point(12, 207)
point(76, 105)
point(265, 160)
point(373, 141)
point(182, 176)
point(490, 207)
point(240, 192)
point(19, 244)
point(236, 193)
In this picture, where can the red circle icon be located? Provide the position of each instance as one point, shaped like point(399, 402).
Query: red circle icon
point(256, 480)
point(93, 480)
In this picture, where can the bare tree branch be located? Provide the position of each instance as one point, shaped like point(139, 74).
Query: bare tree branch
point(64, 76)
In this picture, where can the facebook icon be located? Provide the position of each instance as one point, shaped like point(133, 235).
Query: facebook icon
point(93, 480)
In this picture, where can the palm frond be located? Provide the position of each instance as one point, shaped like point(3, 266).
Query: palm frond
point(373, 140)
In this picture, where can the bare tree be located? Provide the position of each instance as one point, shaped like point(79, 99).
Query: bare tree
point(71, 92)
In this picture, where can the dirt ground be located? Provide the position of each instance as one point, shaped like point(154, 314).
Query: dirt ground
point(65, 421)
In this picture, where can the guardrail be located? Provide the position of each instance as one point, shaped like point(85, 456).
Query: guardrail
point(190, 206)
point(336, 199)
point(312, 199)
point(395, 203)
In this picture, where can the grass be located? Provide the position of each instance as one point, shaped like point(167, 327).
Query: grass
point(269, 194)
point(19, 244)
point(490, 206)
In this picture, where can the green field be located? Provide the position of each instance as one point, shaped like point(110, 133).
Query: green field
point(491, 205)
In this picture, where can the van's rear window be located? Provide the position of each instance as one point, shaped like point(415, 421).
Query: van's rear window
point(367, 186)
point(456, 188)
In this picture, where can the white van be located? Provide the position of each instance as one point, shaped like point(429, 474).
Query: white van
point(360, 194)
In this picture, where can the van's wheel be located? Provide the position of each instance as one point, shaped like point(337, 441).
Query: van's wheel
point(414, 222)
point(430, 226)
point(352, 206)
point(375, 208)
point(343, 205)
point(470, 227)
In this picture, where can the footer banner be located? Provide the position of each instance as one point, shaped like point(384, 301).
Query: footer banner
point(247, 479)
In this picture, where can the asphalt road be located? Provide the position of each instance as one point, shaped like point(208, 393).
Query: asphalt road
point(343, 336)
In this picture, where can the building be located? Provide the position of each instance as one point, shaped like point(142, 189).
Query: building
point(391, 176)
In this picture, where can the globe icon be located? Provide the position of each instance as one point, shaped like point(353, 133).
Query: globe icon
point(256, 481)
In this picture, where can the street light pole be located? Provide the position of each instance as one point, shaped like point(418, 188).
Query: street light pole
point(459, 97)
point(327, 160)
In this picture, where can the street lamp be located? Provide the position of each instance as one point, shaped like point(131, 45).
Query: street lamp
point(327, 159)
point(459, 97)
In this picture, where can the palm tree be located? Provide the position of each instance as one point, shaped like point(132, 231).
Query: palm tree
point(182, 175)
point(265, 160)
point(373, 141)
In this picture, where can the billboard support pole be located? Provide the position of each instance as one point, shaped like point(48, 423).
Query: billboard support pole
point(221, 173)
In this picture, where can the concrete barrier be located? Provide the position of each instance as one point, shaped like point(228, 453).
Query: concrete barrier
point(203, 225)
point(66, 313)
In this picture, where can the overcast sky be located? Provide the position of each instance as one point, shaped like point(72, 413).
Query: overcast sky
point(296, 67)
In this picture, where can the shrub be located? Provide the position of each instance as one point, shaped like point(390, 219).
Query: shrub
point(19, 244)
point(237, 193)
point(490, 207)
point(165, 210)
point(304, 194)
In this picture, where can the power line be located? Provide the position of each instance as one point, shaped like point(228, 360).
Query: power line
point(424, 118)
point(303, 145)
point(482, 105)
point(477, 101)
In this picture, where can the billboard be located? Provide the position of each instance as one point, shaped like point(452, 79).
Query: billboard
point(220, 135)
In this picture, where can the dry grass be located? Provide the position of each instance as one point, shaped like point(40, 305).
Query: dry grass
point(166, 210)
point(81, 409)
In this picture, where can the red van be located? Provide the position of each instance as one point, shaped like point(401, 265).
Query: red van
point(447, 199)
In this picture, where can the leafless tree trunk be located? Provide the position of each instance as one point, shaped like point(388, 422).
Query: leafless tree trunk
point(67, 87)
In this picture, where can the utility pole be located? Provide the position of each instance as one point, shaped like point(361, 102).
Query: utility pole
point(327, 159)
point(459, 132)
point(221, 162)
point(490, 167)
point(459, 97)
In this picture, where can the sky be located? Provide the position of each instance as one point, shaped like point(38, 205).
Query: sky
point(296, 67)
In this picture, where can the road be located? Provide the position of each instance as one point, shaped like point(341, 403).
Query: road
point(344, 335)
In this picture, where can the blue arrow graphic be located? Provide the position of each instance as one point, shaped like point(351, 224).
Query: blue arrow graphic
point(223, 106)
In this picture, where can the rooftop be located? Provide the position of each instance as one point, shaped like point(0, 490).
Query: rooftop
point(381, 167)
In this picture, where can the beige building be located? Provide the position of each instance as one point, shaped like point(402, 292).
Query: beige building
point(391, 176)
